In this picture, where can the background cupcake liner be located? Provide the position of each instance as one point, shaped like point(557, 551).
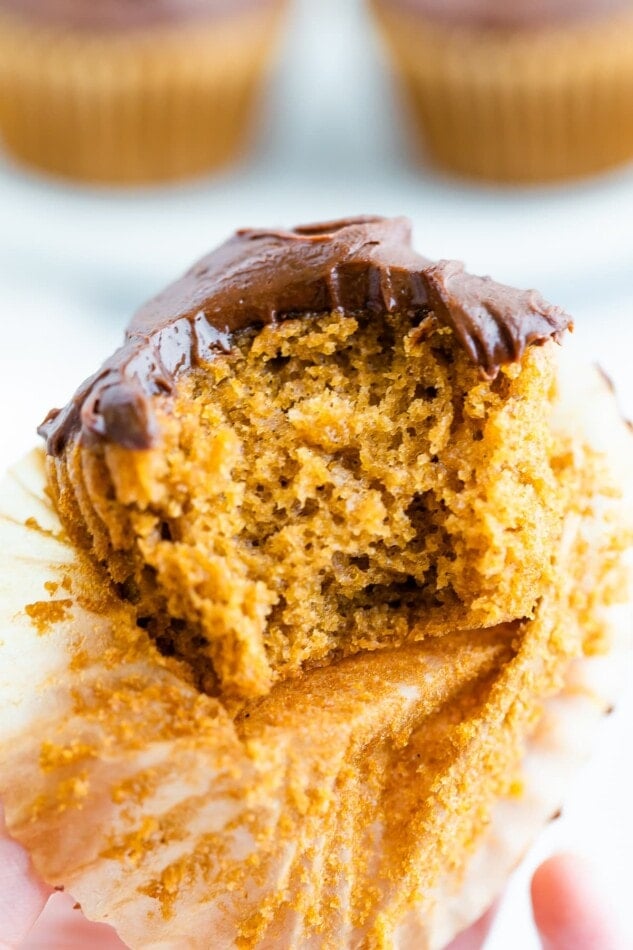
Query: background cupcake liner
point(131, 107)
point(529, 105)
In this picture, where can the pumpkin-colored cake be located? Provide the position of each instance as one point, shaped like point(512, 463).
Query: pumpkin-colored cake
point(278, 475)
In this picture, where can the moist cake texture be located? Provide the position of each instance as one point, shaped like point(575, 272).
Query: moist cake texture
point(316, 443)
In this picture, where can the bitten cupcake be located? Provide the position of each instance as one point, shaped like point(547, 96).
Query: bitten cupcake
point(522, 91)
point(132, 91)
point(315, 602)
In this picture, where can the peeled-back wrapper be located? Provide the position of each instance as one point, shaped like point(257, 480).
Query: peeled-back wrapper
point(379, 801)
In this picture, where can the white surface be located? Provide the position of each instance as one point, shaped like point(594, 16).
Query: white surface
point(74, 263)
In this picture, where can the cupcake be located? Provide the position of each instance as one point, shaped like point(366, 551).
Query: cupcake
point(515, 91)
point(131, 92)
point(314, 600)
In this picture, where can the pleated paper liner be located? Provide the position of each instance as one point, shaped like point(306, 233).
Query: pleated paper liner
point(377, 802)
point(514, 106)
point(135, 107)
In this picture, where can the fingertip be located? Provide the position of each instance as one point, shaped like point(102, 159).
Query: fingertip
point(570, 910)
point(475, 936)
point(63, 925)
point(22, 895)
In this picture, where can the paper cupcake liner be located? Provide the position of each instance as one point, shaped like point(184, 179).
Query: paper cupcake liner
point(319, 817)
point(132, 108)
point(516, 106)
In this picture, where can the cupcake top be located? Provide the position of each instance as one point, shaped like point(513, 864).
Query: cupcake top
point(260, 277)
point(122, 14)
point(511, 13)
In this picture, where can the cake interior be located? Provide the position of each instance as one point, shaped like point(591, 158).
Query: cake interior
point(332, 484)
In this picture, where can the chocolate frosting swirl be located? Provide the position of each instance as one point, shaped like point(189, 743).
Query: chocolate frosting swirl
point(258, 278)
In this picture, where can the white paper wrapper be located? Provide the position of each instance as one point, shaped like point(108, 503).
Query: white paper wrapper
point(379, 802)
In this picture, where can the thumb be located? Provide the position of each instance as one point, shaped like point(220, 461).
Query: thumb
point(569, 910)
point(22, 896)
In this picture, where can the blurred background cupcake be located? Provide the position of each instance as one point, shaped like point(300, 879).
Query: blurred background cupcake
point(516, 90)
point(132, 91)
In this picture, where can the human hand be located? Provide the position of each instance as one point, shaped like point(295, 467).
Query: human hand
point(22, 896)
point(569, 911)
point(34, 917)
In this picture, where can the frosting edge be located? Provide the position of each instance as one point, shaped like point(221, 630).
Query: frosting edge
point(258, 278)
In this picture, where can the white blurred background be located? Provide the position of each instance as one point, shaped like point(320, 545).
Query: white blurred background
point(75, 263)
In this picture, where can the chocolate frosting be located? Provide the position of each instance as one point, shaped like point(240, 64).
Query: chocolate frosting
point(511, 13)
point(258, 278)
point(122, 14)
